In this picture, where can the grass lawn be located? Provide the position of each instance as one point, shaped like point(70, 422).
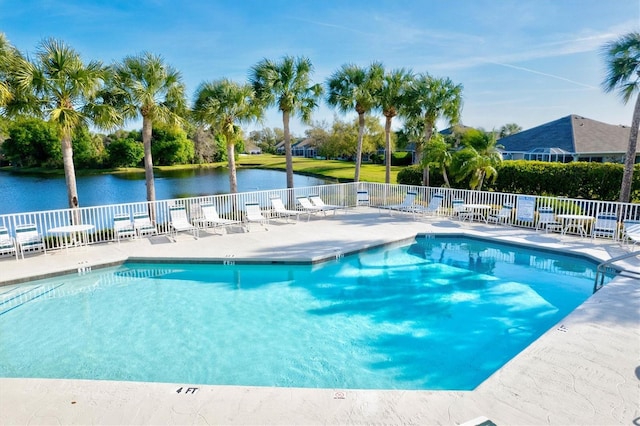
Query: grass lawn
point(342, 171)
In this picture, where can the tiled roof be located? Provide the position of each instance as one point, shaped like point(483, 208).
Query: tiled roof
point(572, 133)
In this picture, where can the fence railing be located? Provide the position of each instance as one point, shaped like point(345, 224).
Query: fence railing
point(231, 206)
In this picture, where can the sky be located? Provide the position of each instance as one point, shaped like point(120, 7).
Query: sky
point(519, 61)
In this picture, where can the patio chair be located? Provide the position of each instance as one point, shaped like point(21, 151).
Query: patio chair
point(123, 227)
point(211, 218)
point(308, 207)
point(7, 243)
point(180, 222)
point(253, 214)
point(503, 216)
point(433, 207)
point(279, 210)
point(362, 198)
point(28, 239)
point(407, 204)
point(547, 220)
point(317, 201)
point(631, 231)
point(460, 211)
point(606, 225)
point(143, 225)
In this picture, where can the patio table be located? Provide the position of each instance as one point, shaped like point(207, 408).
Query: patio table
point(477, 211)
point(575, 221)
point(78, 235)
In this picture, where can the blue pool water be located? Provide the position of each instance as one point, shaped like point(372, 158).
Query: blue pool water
point(437, 313)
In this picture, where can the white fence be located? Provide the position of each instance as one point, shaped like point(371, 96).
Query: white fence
point(231, 206)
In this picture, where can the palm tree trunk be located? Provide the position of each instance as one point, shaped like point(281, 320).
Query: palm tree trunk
point(70, 174)
point(387, 149)
point(287, 148)
point(147, 126)
point(359, 149)
point(428, 131)
point(231, 158)
point(630, 157)
point(446, 177)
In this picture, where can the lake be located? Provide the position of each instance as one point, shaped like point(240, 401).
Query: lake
point(24, 193)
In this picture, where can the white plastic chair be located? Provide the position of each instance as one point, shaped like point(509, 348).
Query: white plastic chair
point(631, 231)
point(606, 225)
point(460, 210)
point(7, 243)
point(547, 220)
point(211, 219)
point(309, 208)
point(279, 209)
point(180, 222)
point(503, 216)
point(252, 213)
point(29, 239)
point(316, 201)
point(123, 227)
point(434, 205)
point(407, 205)
point(143, 225)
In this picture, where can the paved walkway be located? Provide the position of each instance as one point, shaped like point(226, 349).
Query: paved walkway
point(583, 371)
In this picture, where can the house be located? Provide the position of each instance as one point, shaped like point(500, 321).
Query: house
point(299, 148)
point(570, 138)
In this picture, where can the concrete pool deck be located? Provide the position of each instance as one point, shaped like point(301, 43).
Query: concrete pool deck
point(583, 371)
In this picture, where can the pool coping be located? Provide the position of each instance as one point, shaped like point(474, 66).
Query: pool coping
point(553, 381)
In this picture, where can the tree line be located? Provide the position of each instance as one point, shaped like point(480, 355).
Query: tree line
point(70, 94)
point(58, 86)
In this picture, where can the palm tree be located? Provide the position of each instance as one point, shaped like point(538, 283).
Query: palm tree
point(221, 104)
point(509, 129)
point(479, 158)
point(144, 86)
point(623, 73)
point(437, 153)
point(66, 91)
point(353, 88)
point(287, 84)
point(392, 96)
point(432, 98)
point(8, 55)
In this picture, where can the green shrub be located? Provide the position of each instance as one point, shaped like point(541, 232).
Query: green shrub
point(401, 158)
point(412, 175)
point(591, 181)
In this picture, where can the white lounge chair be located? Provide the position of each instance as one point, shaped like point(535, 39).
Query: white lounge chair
point(180, 222)
point(7, 243)
point(433, 207)
point(631, 231)
point(29, 239)
point(123, 227)
point(278, 209)
point(606, 225)
point(547, 220)
point(503, 216)
point(407, 205)
point(211, 218)
point(308, 207)
point(317, 201)
point(252, 213)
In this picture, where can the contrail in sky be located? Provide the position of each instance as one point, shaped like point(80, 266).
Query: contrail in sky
point(544, 74)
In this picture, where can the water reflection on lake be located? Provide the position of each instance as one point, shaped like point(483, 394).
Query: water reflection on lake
point(22, 193)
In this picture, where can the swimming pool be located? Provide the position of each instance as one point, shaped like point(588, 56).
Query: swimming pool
point(438, 313)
